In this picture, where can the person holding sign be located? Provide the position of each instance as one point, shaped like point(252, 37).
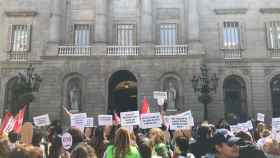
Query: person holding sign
point(122, 147)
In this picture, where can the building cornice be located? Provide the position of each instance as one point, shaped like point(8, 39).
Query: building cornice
point(21, 13)
point(231, 11)
point(270, 10)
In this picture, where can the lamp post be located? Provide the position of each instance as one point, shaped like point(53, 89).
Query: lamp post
point(26, 83)
point(204, 85)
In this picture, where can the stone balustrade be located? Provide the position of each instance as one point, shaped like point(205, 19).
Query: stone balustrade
point(232, 54)
point(75, 50)
point(18, 56)
point(275, 53)
point(171, 50)
point(123, 50)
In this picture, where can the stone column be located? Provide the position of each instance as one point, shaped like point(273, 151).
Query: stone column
point(54, 28)
point(193, 29)
point(101, 23)
point(146, 27)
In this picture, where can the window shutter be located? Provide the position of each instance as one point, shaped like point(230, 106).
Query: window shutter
point(178, 34)
point(268, 33)
point(242, 37)
point(135, 41)
point(221, 35)
point(115, 34)
point(29, 39)
point(10, 38)
point(91, 27)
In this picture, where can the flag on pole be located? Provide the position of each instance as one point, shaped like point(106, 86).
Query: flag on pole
point(18, 120)
point(145, 107)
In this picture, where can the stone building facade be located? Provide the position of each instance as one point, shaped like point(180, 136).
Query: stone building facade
point(94, 52)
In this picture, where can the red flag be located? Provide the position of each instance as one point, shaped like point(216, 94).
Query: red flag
point(145, 107)
point(6, 120)
point(116, 119)
point(18, 120)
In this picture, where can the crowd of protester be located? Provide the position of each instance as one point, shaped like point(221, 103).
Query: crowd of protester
point(204, 140)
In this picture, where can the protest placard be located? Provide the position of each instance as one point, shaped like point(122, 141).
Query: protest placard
point(78, 120)
point(105, 120)
point(89, 122)
point(150, 120)
point(234, 128)
point(249, 125)
point(189, 116)
point(42, 120)
point(66, 140)
point(260, 117)
point(160, 97)
point(158, 94)
point(130, 118)
point(178, 122)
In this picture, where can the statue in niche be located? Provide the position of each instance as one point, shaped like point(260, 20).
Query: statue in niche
point(75, 98)
point(171, 96)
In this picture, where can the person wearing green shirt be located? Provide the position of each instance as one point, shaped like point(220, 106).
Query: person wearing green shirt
point(122, 147)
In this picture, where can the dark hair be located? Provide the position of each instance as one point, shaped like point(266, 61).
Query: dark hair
point(36, 138)
point(13, 137)
point(183, 144)
point(97, 141)
point(203, 133)
point(77, 136)
point(145, 147)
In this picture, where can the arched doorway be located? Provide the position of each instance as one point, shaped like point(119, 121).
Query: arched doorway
point(275, 95)
point(235, 98)
point(122, 92)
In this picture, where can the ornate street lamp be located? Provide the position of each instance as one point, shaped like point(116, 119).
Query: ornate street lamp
point(26, 83)
point(204, 85)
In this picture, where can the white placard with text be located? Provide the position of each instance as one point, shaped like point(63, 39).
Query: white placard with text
point(130, 118)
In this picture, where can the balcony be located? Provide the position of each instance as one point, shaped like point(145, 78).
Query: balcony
point(232, 54)
point(75, 50)
point(171, 50)
point(18, 56)
point(123, 50)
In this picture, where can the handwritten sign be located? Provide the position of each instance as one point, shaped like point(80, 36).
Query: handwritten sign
point(150, 120)
point(188, 115)
point(260, 117)
point(89, 122)
point(66, 140)
point(130, 118)
point(42, 120)
point(178, 122)
point(79, 120)
point(105, 120)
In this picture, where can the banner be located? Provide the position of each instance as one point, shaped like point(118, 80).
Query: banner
point(105, 120)
point(6, 120)
point(42, 120)
point(150, 120)
point(78, 120)
point(130, 118)
point(18, 120)
point(275, 132)
point(260, 117)
point(89, 122)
